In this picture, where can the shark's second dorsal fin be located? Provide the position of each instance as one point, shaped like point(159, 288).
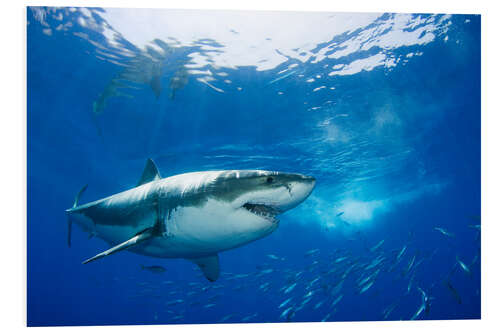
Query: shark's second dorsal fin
point(150, 173)
point(209, 266)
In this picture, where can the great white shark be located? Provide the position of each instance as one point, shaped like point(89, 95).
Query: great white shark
point(193, 215)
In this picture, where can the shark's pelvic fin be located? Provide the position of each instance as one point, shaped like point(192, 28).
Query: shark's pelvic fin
point(209, 266)
point(139, 238)
point(75, 203)
point(150, 173)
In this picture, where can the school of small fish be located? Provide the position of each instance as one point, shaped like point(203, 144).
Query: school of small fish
point(322, 282)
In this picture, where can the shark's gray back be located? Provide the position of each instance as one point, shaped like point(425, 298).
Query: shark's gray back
point(140, 206)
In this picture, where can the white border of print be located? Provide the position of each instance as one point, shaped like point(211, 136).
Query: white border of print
point(13, 139)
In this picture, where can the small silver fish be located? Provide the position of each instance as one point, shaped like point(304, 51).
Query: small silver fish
point(177, 301)
point(313, 282)
point(326, 317)
point(247, 318)
point(339, 260)
point(264, 285)
point(410, 265)
point(410, 283)
point(366, 287)
point(290, 288)
point(419, 311)
point(311, 252)
point(285, 303)
point(400, 254)
point(390, 308)
point(338, 299)
point(444, 232)
point(274, 257)
point(425, 300)
point(377, 246)
point(365, 280)
point(285, 313)
point(281, 77)
point(225, 318)
point(463, 266)
point(375, 262)
point(319, 304)
point(304, 302)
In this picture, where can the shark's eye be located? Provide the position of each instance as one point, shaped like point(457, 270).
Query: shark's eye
point(269, 180)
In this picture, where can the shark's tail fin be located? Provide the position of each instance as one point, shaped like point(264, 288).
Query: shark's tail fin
point(75, 204)
point(77, 198)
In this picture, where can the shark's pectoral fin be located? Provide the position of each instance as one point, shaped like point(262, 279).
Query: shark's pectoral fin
point(209, 266)
point(139, 238)
point(150, 173)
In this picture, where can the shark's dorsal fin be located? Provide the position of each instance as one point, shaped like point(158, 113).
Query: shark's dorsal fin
point(209, 266)
point(139, 238)
point(150, 173)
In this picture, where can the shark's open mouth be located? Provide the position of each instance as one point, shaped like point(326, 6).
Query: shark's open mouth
point(262, 210)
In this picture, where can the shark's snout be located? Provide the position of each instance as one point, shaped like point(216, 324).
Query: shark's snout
point(300, 187)
point(270, 193)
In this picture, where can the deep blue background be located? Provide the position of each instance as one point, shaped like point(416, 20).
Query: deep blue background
point(436, 97)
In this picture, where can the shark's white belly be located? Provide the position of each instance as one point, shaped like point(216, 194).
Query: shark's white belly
point(196, 232)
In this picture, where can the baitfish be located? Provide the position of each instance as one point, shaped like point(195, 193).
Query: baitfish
point(338, 299)
point(366, 287)
point(444, 232)
point(286, 312)
point(377, 246)
point(285, 303)
point(290, 288)
point(311, 252)
point(339, 260)
point(274, 257)
point(463, 266)
point(281, 77)
point(400, 254)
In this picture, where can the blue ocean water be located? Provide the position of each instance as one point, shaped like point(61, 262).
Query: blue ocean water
point(382, 109)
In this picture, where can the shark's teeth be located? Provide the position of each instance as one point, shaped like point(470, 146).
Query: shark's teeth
point(262, 210)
